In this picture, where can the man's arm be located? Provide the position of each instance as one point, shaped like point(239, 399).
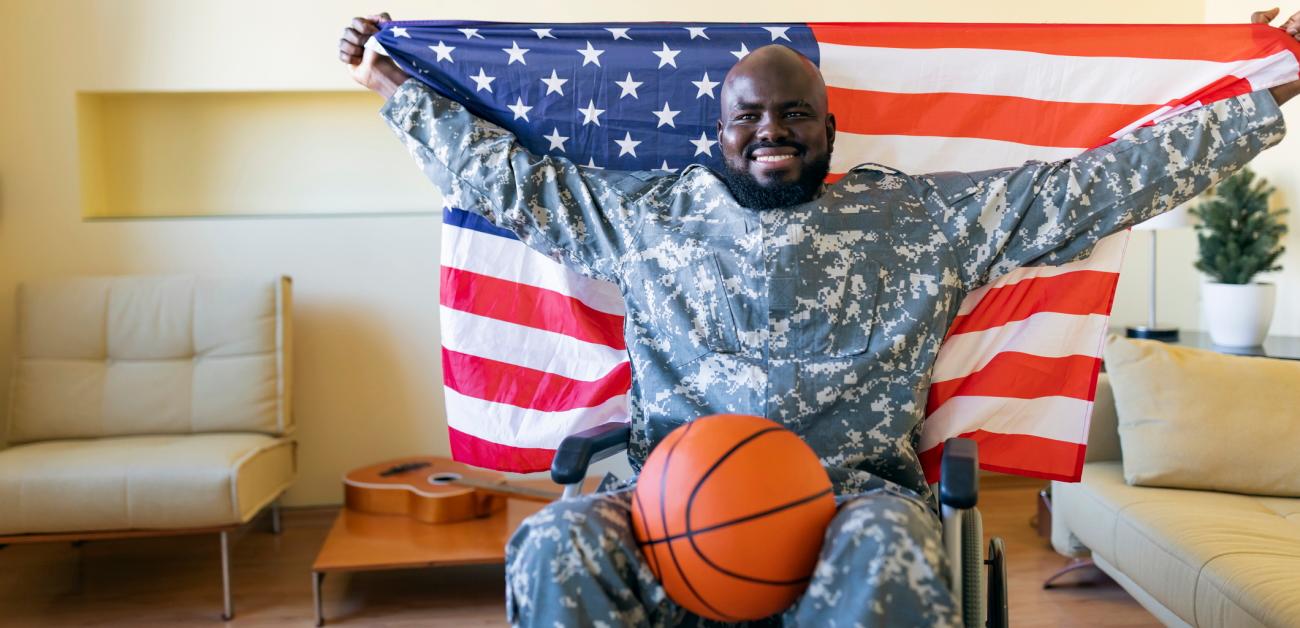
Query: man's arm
point(585, 218)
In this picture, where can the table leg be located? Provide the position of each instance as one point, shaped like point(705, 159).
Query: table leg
point(317, 578)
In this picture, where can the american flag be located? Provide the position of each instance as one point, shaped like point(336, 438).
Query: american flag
point(533, 352)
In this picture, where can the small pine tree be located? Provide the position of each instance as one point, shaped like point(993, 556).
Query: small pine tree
point(1237, 234)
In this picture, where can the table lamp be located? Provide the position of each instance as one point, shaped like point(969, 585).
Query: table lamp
point(1153, 330)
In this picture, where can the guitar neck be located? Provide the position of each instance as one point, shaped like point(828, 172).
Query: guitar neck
point(506, 490)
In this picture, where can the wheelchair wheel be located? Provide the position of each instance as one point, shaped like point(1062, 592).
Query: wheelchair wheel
point(972, 569)
point(997, 602)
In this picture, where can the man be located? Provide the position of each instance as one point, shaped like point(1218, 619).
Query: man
point(760, 290)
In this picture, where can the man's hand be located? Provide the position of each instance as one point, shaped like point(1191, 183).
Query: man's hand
point(1281, 93)
point(372, 70)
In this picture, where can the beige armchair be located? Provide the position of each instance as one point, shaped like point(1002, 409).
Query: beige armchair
point(144, 406)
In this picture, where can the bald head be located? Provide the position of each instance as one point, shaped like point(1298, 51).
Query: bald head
point(775, 132)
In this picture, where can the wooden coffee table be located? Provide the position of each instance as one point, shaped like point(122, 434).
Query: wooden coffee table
point(365, 542)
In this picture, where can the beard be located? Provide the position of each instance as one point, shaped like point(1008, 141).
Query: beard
point(748, 192)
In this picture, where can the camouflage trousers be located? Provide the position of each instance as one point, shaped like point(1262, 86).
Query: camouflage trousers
point(576, 563)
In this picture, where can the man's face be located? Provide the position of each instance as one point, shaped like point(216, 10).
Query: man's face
point(776, 135)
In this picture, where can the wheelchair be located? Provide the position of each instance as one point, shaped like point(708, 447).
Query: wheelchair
point(978, 577)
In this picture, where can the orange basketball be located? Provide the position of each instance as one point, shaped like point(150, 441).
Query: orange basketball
point(729, 512)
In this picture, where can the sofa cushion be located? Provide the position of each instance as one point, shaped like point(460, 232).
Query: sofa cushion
point(1191, 418)
point(141, 482)
point(1213, 559)
point(112, 356)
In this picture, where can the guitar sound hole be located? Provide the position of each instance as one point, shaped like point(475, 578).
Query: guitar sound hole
point(443, 478)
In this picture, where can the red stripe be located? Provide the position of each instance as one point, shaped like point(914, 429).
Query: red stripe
point(1076, 292)
point(936, 114)
point(1205, 42)
point(475, 451)
point(529, 306)
point(1018, 454)
point(523, 387)
point(1022, 376)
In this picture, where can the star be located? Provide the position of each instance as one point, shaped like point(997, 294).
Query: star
point(470, 33)
point(666, 116)
point(706, 86)
point(619, 33)
point(556, 140)
point(696, 31)
point(591, 163)
point(543, 33)
point(483, 81)
point(629, 86)
point(554, 84)
point(589, 115)
point(666, 56)
point(516, 53)
point(740, 54)
point(778, 32)
point(398, 31)
point(591, 55)
point(443, 51)
point(704, 145)
point(627, 145)
point(520, 109)
point(664, 167)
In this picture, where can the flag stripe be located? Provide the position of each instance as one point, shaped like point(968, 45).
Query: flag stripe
point(1107, 257)
point(1021, 376)
point(475, 450)
point(916, 154)
point(534, 348)
point(523, 387)
point(1079, 292)
point(1057, 418)
point(458, 217)
point(524, 427)
point(1046, 334)
point(529, 306)
point(1021, 454)
point(1140, 41)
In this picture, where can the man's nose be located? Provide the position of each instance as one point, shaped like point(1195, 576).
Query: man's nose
point(772, 129)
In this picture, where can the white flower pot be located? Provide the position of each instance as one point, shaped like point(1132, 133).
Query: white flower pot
point(1238, 315)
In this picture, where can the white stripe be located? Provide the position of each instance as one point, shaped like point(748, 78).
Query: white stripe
point(524, 346)
point(1060, 78)
point(512, 260)
point(918, 154)
point(520, 427)
point(1107, 257)
point(1046, 334)
point(1271, 71)
point(1057, 418)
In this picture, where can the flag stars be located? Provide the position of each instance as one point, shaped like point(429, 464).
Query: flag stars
point(543, 33)
point(519, 109)
point(778, 32)
point(667, 56)
point(516, 53)
point(399, 31)
point(740, 54)
point(483, 81)
point(470, 33)
point(443, 51)
point(666, 116)
point(619, 33)
point(591, 114)
point(627, 145)
point(664, 168)
point(705, 86)
point(628, 86)
point(554, 84)
point(591, 55)
point(591, 163)
point(704, 145)
point(556, 140)
point(696, 31)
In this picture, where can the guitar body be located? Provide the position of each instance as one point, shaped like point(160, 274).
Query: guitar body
point(419, 487)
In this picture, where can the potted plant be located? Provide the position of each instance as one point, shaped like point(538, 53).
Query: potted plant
point(1238, 238)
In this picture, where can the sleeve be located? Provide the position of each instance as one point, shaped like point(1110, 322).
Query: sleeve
point(585, 218)
point(1050, 213)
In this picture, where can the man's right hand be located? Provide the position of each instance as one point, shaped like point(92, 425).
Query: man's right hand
point(372, 70)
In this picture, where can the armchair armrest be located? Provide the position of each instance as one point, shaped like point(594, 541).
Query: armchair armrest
point(959, 473)
point(578, 451)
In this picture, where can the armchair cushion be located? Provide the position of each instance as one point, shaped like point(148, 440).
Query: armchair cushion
point(141, 482)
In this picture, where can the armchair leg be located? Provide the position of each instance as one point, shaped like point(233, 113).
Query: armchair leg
point(1072, 566)
point(228, 610)
point(275, 516)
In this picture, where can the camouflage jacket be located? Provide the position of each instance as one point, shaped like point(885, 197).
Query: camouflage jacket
point(825, 316)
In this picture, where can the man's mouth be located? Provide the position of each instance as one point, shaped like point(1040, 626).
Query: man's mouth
point(774, 154)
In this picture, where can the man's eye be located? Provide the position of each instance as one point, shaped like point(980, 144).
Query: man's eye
point(796, 114)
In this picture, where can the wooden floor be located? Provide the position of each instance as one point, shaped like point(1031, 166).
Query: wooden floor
point(175, 581)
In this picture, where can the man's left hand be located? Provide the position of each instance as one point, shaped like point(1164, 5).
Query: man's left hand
point(1285, 92)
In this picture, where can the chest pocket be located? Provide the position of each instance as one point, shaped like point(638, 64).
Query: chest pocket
point(706, 319)
point(841, 310)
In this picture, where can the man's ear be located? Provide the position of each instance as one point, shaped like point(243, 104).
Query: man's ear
point(830, 133)
point(719, 129)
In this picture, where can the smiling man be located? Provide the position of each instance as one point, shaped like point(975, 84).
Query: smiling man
point(761, 290)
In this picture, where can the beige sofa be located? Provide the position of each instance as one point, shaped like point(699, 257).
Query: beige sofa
point(147, 405)
point(1192, 558)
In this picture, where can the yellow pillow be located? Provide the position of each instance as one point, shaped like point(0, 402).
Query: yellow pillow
point(1190, 418)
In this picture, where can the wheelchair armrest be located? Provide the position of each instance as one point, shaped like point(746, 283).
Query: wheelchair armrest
point(959, 473)
point(579, 450)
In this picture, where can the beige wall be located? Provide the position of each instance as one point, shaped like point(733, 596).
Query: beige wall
point(367, 362)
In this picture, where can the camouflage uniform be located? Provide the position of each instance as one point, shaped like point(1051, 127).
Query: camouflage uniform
point(825, 316)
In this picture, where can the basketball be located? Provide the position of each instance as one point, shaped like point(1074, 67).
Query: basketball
point(729, 512)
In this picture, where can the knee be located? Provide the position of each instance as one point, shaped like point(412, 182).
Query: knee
point(564, 526)
point(885, 524)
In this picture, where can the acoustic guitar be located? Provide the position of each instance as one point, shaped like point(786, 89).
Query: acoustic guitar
point(432, 490)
